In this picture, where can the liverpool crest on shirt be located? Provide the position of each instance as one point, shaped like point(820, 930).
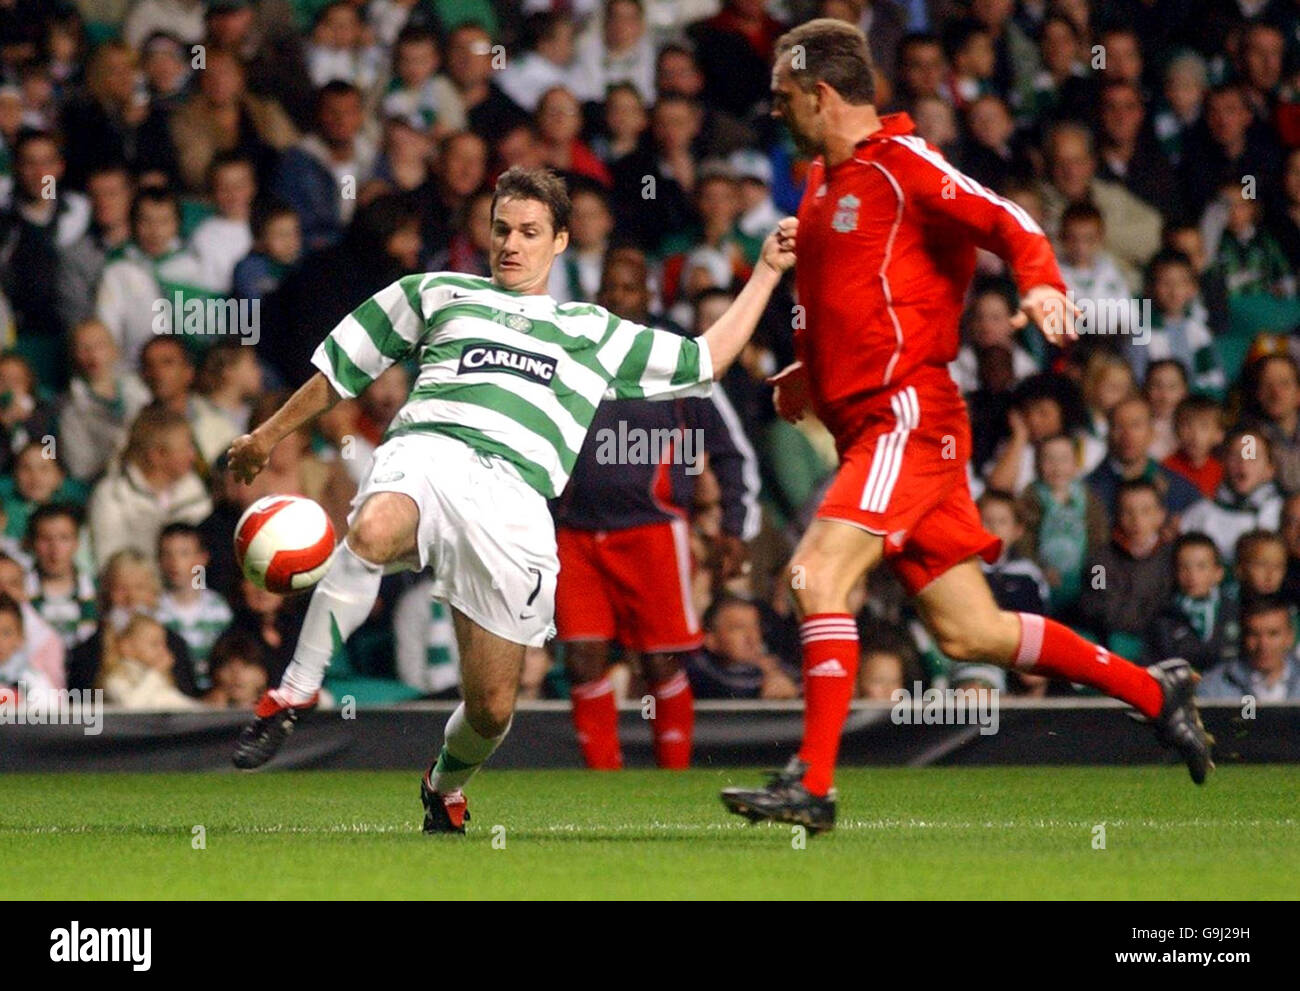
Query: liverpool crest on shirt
point(846, 214)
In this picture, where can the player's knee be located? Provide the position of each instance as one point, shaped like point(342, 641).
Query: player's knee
point(810, 595)
point(967, 646)
point(381, 531)
point(584, 660)
point(490, 709)
point(658, 668)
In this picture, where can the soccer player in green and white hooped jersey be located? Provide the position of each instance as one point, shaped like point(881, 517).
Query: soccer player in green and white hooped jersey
point(509, 381)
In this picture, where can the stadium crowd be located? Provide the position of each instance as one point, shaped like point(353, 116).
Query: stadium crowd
point(193, 193)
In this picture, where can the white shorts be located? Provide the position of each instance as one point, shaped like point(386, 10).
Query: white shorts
point(487, 535)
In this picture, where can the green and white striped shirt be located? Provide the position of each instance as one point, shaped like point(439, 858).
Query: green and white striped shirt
point(512, 375)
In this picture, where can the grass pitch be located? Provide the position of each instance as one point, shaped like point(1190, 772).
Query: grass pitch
point(904, 833)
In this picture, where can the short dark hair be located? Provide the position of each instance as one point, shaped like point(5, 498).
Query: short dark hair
point(989, 496)
point(1082, 212)
point(1166, 258)
point(724, 601)
point(179, 529)
point(543, 185)
point(156, 196)
point(50, 511)
point(1197, 539)
point(1260, 605)
point(835, 53)
point(1196, 405)
point(1160, 363)
point(1131, 485)
point(1251, 539)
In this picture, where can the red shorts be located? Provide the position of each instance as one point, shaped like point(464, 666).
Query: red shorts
point(631, 585)
point(902, 475)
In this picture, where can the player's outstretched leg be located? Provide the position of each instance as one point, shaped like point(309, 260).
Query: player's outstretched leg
point(383, 531)
point(490, 670)
point(968, 626)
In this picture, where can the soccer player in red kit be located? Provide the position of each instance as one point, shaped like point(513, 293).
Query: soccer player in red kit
point(885, 252)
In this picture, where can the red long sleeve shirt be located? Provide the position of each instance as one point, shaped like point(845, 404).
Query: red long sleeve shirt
point(886, 251)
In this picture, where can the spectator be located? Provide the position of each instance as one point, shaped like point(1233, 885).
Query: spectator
point(340, 48)
point(1248, 259)
point(137, 671)
point(577, 276)
point(314, 175)
point(1261, 564)
point(559, 121)
point(1267, 670)
point(1200, 622)
point(41, 642)
point(1128, 581)
point(459, 173)
point(1248, 499)
point(1290, 530)
point(187, 606)
point(734, 663)
point(1017, 582)
point(277, 249)
point(38, 478)
point(264, 39)
point(547, 60)
point(167, 74)
point(923, 70)
point(414, 91)
point(229, 379)
point(57, 588)
point(626, 125)
point(1164, 387)
point(473, 96)
point(1270, 389)
point(220, 241)
point(154, 485)
point(1128, 444)
point(1178, 330)
point(224, 116)
point(1041, 407)
point(238, 671)
point(24, 417)
point(1107, 381)
point(620, 51)
point(1064, 522)
point(168, 371)
point(678, 73)
point(1198, 428)
point(989, 324)
point(1129, 153)
point(138, 291)
point(428, 657)
point(20, 681)
point(181, 18)
point(273, 619)
point(81, 263)
point(102, 400)
point(1226, 146)
point(1185, 83)
point(1100, 289)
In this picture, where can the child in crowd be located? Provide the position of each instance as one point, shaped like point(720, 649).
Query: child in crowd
point(341, 48)
point(1261, 564)
point(20, 682)
point(969, 48)
point(222, 240)
point(1064, 521)
point(1129, 580)
point(1107, 381)
point(1249, 260)
point(63, 594)
point(1199, 622)
point(229, 379)
point(413, 90)
point(1165, 387)
point(187, 606)
point(1247, 499)
point(237, 670)
point(1198, 428)
point(988, 324)
point(137, 668)
point(277, 246)
point(1178, 328)
point(1100, 289)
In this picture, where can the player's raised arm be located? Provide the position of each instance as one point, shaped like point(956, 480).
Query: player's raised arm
point(729, 334)
point(950, 198)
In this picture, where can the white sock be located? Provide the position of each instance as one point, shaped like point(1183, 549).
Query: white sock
point(340, 603)
point(463, 752)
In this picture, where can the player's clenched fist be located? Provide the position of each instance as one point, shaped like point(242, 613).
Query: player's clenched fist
point(778, 247)
point(790, 391)
point(248, 456)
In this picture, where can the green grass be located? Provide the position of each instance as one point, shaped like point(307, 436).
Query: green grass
point(904, 833)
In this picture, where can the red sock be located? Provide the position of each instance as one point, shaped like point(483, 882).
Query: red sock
point(1049, 648)
point(595, 717)
point(830, 667)
point(674, 722)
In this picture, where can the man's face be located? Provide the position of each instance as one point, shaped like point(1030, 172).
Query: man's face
point(131, 587)
point(1227, 116)
point(800, 109)
point(1131, 432)
point(39, 158)
point(1140, 515)
point(53, 545)
point(524, 244)
point(178, 556)
point(1279, 391)
point(110, 198)
point(1246, 464)
point(1058, 463)
point(1197, 571)
point(1123, 58)
point(1261, 58)
point(416, 61)
point(469, 57)
point(674, 125)
point(590, 222)
point(233, 188)
point(156, 227)
point(1043, 418)
point(37, 477)
point(1072, 165)
point(165, 370)
point(1267, 638)
point(922, 70)
point(623, 291)
point(222, 82)
point(736, 636)
point(1121, 113)
point(624, 26)
point(989, 122)
point(93, 349)
point(13, 581)
point(242, 681)
point(340, 117)
point(678, 74)
point(464, 165)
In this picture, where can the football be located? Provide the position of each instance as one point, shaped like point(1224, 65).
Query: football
point(283, 543)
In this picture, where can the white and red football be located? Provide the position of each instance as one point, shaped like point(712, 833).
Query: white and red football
point(283, 543)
